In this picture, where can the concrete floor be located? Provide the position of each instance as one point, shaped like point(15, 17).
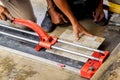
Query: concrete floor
point(16, 67)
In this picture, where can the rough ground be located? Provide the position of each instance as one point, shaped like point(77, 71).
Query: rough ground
point(16, 67)
point(113, 72)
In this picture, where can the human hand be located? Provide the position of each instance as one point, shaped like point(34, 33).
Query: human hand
point(4, 14)
point(98, 14)
point(78, 28)
point(56, 17)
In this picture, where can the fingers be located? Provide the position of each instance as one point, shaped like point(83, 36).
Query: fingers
point(77, 37)
point(2, 17)
point(4, 13)
point(87, 33)
point(95, 15)
point(63, 19)
point(101, 17)
point(8, 15)
point(98, 16)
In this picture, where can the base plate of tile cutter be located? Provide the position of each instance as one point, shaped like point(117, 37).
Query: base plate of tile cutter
point(46, 41)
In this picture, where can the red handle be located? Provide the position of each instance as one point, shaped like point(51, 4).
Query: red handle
point(45, 39)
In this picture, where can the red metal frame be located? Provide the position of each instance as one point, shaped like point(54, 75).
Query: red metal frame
point(91, 66)
point(45, 40)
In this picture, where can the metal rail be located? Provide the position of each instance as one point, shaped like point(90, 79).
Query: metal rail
point(76, 53)
point(73, 44)
point(16, 29)
point(54, 47)
point(32, 33)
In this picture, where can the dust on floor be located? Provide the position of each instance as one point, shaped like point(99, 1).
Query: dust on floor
point(16, 67)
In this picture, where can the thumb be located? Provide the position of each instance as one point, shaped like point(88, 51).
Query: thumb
point(95, 16)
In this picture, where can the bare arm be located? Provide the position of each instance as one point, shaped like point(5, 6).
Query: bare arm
point(66, 10)
point(77, 27)
point(98, 14)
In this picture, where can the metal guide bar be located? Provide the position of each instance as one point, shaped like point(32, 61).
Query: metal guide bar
point(20, 30)
point(91, 49)
point(32, 33)
point(76, 53)
point(17, 37)
point(54, 47)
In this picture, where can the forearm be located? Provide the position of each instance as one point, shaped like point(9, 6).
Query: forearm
point(100, 3)
point(64, 7)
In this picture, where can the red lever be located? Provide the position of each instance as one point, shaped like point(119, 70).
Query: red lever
point(45, 40)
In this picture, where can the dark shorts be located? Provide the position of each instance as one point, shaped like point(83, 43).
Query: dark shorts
point(81, 8)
